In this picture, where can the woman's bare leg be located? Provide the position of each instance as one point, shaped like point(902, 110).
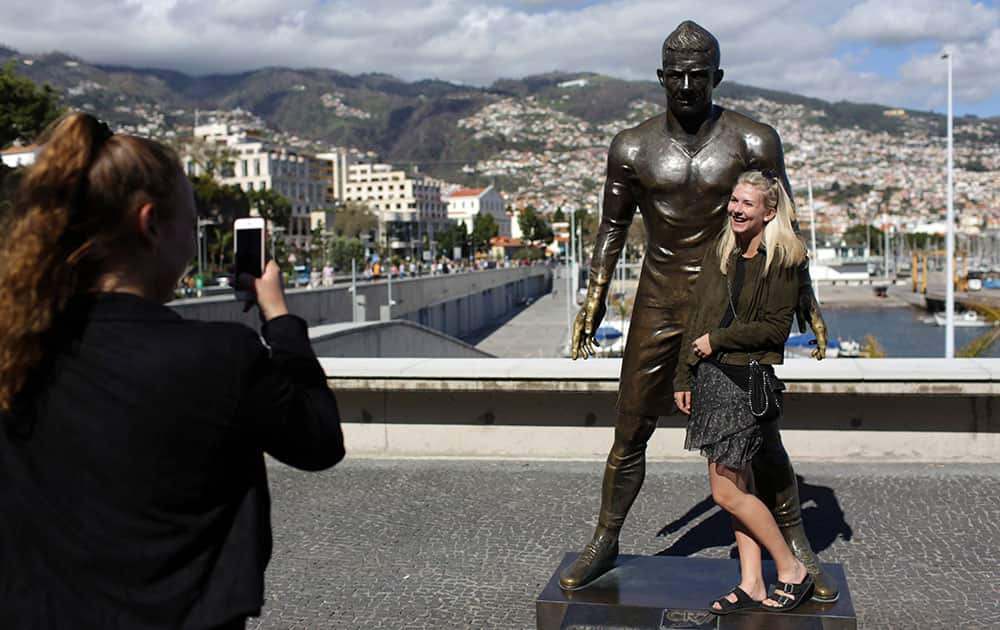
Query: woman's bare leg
point(729, 489)
point(751, 572)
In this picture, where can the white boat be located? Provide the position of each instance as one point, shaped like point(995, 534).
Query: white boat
point(968, 319)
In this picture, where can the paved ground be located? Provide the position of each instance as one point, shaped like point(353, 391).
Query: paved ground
point(469, 544)
point(545, 319)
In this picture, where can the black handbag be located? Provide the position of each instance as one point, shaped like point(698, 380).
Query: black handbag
point(764, 389)
point(764, 392)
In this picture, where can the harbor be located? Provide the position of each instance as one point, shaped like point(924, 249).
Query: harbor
point(890, 314)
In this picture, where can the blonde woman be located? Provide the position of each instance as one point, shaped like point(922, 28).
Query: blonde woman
point(741, 311)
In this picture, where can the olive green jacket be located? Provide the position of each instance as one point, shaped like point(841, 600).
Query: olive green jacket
point(763, 314)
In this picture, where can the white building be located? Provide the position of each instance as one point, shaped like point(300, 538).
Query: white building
point(18, 156)
point(300, 177)
point(408, 206)
point(465, 204)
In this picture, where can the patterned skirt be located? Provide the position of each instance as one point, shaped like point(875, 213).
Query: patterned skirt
point(720, 424)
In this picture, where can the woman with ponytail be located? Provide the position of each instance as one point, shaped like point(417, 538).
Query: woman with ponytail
point(131, 458)
point(740, 315)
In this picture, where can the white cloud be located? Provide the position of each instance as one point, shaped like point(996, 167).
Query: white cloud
point(975, 70)
point(908, 21)
point(781, 44)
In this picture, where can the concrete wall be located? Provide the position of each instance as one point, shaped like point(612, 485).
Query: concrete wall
point(879, 409)
point(455, 304)
point(397, 338)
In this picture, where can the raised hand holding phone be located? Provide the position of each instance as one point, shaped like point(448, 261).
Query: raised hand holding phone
point(249, 252)
point(256, 282)
point(268, 291)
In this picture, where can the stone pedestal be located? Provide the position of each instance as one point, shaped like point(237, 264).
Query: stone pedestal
point(666, 592)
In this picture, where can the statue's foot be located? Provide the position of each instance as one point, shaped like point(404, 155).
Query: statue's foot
point(825, 590)
point(595, 560)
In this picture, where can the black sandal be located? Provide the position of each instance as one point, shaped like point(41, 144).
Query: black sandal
point(794, 595)
point(743, 602)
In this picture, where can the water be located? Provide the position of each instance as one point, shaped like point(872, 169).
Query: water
point(899, 331)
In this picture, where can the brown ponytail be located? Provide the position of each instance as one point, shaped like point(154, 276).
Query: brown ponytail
point(73, 212)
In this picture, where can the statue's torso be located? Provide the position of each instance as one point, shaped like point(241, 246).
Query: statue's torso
point(682, 190)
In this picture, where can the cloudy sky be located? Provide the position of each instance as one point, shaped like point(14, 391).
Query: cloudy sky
point(883, 51)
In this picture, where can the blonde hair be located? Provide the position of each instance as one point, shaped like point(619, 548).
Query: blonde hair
point(72, 213)
point(782, 245)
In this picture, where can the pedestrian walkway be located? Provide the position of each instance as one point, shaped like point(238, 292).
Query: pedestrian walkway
point(539, 331)
point(453, 544)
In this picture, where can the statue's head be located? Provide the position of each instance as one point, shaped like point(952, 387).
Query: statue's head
point(690, 69)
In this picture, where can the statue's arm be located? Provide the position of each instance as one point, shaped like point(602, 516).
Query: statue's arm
point(767, 153)
point(617, 209)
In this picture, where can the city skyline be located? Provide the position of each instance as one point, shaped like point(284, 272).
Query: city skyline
point(868, 51)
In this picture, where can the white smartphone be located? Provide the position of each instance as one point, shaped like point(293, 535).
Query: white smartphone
point(249, 249)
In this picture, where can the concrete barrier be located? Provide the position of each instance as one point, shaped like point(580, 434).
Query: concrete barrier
point(455, 304)
point(846, 409)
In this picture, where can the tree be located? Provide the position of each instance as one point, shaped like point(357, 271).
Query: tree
point(224, 203)
point(484, 227)
point(534, 226)
point(319, 245)
point(353, 220)
point(25, 109)
point(558, 216)
point(212, 158)
point(344, 250)
point(457, 235)
point(855, 235)
point(275, 208)
point(528, 253)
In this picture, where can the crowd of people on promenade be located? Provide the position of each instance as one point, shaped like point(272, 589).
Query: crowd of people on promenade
point(373, 270)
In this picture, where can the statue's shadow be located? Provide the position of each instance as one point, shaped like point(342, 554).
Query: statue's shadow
point(822, 517)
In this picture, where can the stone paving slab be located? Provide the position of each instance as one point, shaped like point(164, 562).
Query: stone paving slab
point(442, 544)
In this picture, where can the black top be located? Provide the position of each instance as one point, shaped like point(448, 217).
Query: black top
point(739, 374)
point(134, 487)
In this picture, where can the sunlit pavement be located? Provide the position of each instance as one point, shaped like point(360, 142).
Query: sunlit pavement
point(538, 331)
point(443, 544)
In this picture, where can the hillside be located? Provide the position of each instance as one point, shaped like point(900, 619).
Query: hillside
point(400, 120)
point(543, 138)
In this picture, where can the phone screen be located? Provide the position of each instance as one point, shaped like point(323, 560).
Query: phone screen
point(248, 248)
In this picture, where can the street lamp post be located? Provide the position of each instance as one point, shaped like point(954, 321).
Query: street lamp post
point(200, 234)
point(949, 331)
point(812, 230)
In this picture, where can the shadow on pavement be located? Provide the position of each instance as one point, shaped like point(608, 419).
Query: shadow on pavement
point(822, 517)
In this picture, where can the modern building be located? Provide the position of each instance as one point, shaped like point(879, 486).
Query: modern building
point(18, 156)
point(408, 206)
point(340, 159)
point(302, 178)
point(465, 204)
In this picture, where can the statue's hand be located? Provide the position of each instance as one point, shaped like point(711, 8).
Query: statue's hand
point(585, 325)
point(808, 310)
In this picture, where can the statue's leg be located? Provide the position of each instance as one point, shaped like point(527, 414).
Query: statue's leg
point(623, 476)
point(778, 489)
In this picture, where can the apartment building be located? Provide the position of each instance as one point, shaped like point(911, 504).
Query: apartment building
point(408, 206)
point(302, 178)
point(465, 204)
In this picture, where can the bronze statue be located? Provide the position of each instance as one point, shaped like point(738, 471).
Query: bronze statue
point(678, 169)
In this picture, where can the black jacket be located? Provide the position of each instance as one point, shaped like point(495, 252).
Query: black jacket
point(764, 314)
point(132, 479)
